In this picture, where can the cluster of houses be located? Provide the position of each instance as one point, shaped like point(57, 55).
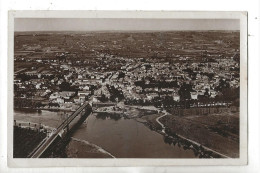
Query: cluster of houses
point(174, 72)
point(84, 79)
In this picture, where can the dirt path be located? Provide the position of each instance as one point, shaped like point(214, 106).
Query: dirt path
point(161, 124)
point(194, 142)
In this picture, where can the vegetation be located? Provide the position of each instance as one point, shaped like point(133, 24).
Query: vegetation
point(25, 140)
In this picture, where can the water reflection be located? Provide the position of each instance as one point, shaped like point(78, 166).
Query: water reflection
point(105, 115)
point(126, 138)
point(123, 137)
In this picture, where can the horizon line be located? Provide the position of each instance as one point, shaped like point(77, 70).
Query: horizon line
point(127, 30)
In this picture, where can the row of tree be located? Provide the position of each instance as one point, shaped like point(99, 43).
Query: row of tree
point(29, 103)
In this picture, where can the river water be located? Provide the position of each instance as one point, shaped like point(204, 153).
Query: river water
point(49, 118)
point(121, 138)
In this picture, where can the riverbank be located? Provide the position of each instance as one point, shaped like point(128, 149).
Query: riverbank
point(178, 134)
point(33, 126)
point(219, 132)
point(83, 149)
point(173, 138)
point(173, 130)
point(41, 109)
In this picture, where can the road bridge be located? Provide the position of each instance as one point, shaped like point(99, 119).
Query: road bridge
point(63, 127)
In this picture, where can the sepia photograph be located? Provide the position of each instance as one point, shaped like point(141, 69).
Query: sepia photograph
point(128, 88)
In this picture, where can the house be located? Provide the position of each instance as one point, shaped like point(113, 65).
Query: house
point(54, 96)
point(95, 99)
point(194, 95)
point(38, 86)
point(86, 88)
point(176, 97)
point(66, 94)
point(138, 89)
point(59, 97)
point(59, 100)
point(80, 76)
point(76, 99)
point(83, 93)
point(32, 73)
point(151, 96)
point(213, 93)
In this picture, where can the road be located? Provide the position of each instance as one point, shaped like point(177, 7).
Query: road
point(194, 142)
point(157, 119)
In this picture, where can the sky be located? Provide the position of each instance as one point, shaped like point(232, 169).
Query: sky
point(83, 24)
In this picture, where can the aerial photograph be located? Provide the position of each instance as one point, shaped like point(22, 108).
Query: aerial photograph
point(118, 88)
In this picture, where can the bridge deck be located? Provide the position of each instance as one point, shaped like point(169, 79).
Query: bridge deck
point(44, 145)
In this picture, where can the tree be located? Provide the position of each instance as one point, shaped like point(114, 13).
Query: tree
point(38, 104)
point(15, 87)
point(184, 93)
point(223, 84)
point(206, 94)
point(65, 86)
point(103, 98)
point(121, 75)
point(230, 94)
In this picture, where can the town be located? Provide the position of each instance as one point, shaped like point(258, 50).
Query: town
point(60, 71)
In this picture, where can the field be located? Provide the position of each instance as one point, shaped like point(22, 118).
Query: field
point(219, 132)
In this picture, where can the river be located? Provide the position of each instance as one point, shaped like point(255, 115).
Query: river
point(120, 138)
point(49, 118)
